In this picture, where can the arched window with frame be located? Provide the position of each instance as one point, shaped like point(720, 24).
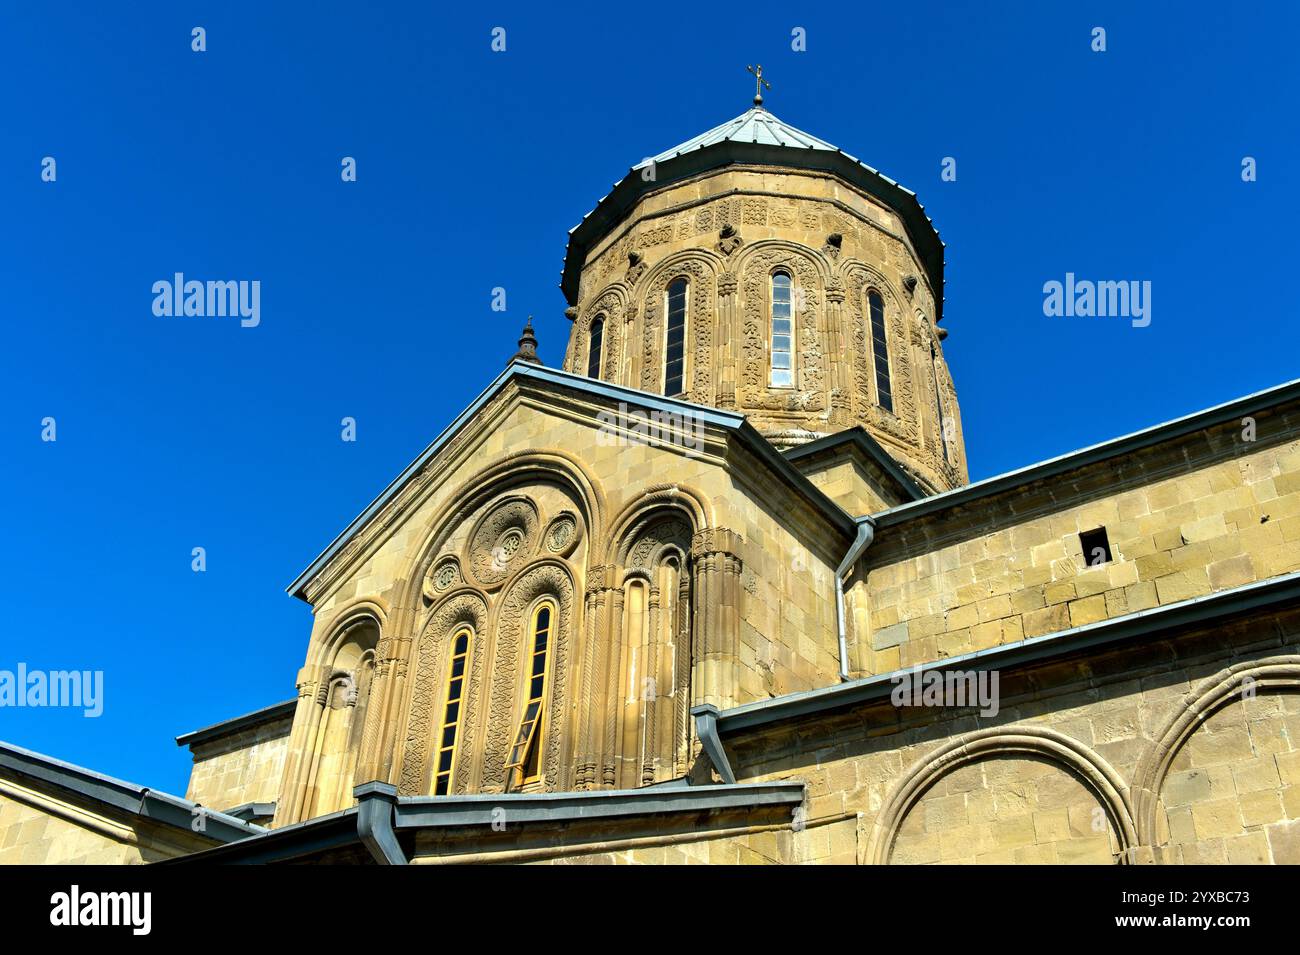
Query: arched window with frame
point(880, 350)
point(782, 370)
point(445, 760)
point(675, 302)
point(595, 344)
point(524, 763)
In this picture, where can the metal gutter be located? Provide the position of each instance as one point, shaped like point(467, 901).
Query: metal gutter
point(336, 831)
point(727, 420)
point(266, 714)
point(343, 829)
point(1199, 611)
point(866, 534)
point(375, 805)
point(252, 810)
point(706, 728)
point(120, 795)
point(1232, 410)
point(424, 812)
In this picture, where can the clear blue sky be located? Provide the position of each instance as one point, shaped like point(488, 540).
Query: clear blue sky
point(175, 433)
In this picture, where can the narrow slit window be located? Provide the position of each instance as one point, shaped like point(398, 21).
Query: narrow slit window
point(880, 350)
point(595, 342)
point(445, 758)
point(675, 346)
point(523, 766)
point(782, 375)
point(1096, 547)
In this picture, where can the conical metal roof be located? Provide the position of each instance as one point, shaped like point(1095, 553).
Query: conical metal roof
point(755, 125)
point(755, 136)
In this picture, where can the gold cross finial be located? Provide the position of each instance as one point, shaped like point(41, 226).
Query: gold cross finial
point(759, 83)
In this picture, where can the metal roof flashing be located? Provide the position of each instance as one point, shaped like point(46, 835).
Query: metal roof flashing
point(730, 421)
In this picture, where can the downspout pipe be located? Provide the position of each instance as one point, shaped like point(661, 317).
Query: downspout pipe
point(706, 728)
point(376, 805)
point(866, 534)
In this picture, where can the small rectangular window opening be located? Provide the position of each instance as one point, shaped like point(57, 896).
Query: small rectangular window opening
point(1096, 547)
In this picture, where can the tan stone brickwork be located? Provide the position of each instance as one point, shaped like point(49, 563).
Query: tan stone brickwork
point(242, 768)
point(1054, 776)
point(39, 829)
point(784, 219)
point(1183, 522)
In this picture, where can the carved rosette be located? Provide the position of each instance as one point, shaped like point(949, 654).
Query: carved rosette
point(503, 537)
point(442, 576)
point(562, 535)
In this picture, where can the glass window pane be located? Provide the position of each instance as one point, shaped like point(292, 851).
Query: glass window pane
point(453, 712)
point(444, 761)
point(594, 348)
point(781, 379)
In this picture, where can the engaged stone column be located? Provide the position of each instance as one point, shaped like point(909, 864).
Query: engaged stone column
point(717, 592)
point(726, 345)
point(595, 664)
point(380, 734)
point(306, 723)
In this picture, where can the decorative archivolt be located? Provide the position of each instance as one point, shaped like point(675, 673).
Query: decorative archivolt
point(1208, 697)
point(657, 535)
point(903, 422)
point(1080, 760)
point(519, 468)
point(756, 270)
point(701, 321)
point(685, 500)
point(344, 620)
point(611, 305)
point(541, 580)
point(465, 608)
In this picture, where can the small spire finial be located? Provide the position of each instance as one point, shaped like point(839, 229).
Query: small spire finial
point(527, 344)
point(759, 83)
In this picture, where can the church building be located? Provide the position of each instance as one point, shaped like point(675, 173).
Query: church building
point(718, 589)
